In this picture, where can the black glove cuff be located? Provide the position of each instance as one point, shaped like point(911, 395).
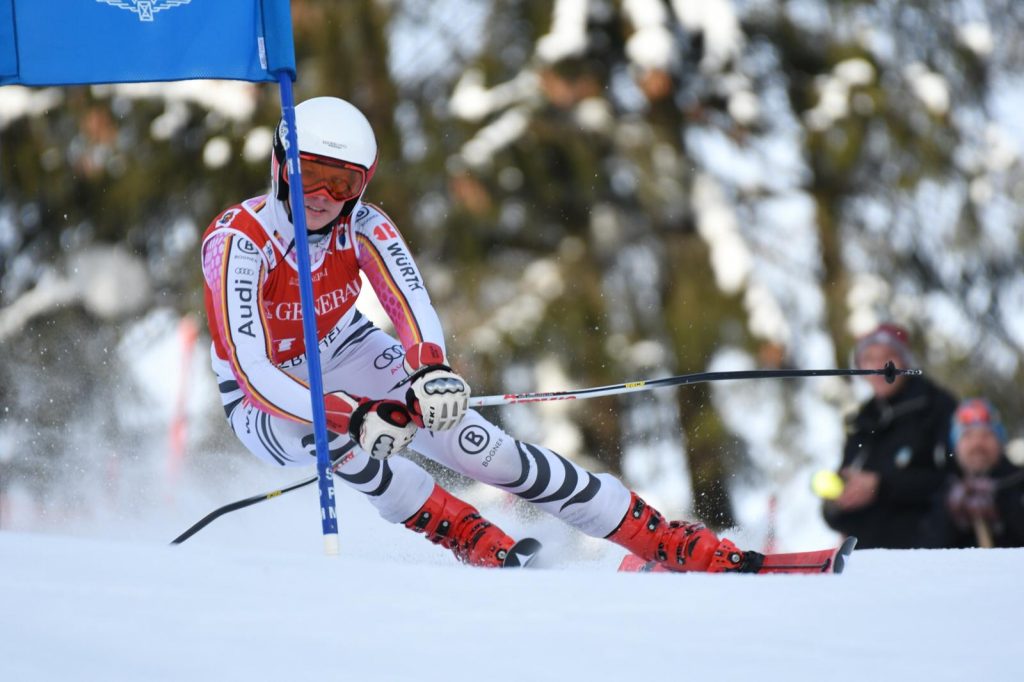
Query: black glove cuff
point(355, 422)
point(424, 369)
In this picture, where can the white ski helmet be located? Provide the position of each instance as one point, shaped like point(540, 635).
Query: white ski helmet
point(331, 129)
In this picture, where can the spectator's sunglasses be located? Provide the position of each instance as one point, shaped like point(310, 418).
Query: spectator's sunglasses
point(341, 180)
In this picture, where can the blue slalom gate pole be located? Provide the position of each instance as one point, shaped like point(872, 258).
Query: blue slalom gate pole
point(328, 510)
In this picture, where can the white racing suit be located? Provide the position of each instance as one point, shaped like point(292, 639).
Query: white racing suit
point(253, 309)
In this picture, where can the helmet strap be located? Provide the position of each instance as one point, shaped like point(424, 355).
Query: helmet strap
point(282, 169)
point(349, 206)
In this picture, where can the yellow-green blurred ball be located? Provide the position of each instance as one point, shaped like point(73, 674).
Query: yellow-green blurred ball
point(827, 485)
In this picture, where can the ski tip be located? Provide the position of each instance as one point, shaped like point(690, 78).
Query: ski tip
point(843, 553)
point(521, 554)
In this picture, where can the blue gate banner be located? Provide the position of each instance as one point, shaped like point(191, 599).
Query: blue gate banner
point(77, 42)
point(69, 42)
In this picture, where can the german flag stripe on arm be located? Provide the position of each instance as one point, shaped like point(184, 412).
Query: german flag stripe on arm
point(390, 293)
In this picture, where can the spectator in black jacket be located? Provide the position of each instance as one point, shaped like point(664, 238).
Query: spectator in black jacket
point(896, 455)
point(982, 504)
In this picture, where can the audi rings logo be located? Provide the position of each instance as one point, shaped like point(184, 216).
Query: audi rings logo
point(473, 439)
point(389, 356)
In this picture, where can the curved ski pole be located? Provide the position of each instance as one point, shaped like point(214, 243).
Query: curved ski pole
point(890, 372)
point(255, 499)
point(240, 504)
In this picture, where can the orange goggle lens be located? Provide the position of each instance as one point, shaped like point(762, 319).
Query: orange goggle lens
point(340, 180)
point(974, 412)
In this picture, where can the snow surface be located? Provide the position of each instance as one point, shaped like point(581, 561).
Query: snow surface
point(253, 596)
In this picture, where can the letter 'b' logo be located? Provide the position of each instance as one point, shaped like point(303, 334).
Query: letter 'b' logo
point(474, 439)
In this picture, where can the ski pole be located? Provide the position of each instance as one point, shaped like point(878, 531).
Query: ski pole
point(256, 499)
point(890, 372)
point(240, 504)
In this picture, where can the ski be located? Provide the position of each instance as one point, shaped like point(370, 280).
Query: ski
point(823, 561)
point(831, 560)
point(521, 554)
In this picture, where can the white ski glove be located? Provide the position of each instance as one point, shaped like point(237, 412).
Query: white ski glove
point(437, 397)
point(381, 427)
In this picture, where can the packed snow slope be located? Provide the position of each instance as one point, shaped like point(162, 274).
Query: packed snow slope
point(253, 596)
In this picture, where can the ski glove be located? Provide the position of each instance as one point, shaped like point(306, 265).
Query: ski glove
point(973, 499)
point(381, 427)
point(437, 397)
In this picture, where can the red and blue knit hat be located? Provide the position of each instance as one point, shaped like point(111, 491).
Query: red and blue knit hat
point(976, 413)
point(887, 334)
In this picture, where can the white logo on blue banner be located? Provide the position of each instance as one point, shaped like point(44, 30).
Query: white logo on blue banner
point(146, 9)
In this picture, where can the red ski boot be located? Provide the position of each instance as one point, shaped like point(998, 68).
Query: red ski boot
point(679, 546)
point(448, 521)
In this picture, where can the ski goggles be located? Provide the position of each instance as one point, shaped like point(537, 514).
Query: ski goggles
point(341, 180)
point(977, 412)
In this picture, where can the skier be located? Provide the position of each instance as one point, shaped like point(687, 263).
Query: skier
point(258, 355)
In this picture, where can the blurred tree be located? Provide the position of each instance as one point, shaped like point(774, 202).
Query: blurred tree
point(597, 190)
point(831, 162)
